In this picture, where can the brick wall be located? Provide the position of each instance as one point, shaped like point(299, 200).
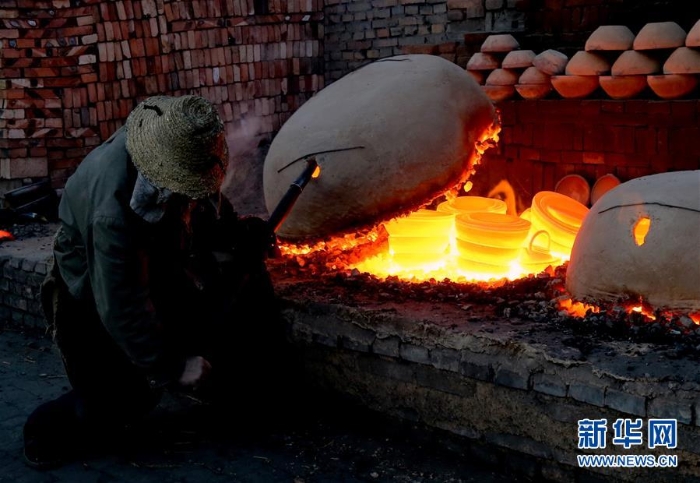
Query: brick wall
point(542, 141)
point(358, 32)
point(20, 285)
point(566, 24)
point(73, 70)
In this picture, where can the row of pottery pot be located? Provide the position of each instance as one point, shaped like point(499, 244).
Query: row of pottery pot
point(661, 58)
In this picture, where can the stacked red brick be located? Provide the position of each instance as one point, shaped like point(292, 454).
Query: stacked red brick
point(70, 75)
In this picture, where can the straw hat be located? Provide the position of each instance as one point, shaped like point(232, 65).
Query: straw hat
point(178, 143)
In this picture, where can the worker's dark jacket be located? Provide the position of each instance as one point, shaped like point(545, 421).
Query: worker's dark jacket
point(130, 269)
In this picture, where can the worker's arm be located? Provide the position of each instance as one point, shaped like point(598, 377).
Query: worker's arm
point(119, 280)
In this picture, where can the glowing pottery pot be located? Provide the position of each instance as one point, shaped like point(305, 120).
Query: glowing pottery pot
point(422, 237)
point(472, 204)
point(560, 216)
point(490, 239)
point(537, 255)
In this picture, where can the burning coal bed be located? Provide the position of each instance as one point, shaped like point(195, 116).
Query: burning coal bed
point(327, 272)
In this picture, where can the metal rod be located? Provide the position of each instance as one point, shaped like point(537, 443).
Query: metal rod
point(284, 207)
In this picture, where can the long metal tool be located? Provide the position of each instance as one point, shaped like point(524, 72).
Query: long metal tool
point(284, 207)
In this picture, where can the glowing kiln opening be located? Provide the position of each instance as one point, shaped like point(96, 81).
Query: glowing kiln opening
point(472, 238)
point(641, 229)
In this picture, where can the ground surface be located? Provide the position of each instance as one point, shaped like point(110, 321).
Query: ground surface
point(181, 442)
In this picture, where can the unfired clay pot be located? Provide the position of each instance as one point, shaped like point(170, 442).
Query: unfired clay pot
point(610, 37)
point(587, 63)
point(683, 60)
point(480, 61)
point(660, 35)
point(693, 37)
point(624, 86)
point(502, 77)
point(551, 62)
point(532, 75)
point(407, 127)
point(632, 62)
point(533, 91)
point(575, 86)
point(500, 43)
point(672, 86)
point(640, 239)
point(499, 93)
point(518, 59)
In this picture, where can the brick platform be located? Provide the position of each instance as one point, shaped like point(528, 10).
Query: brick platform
point(496, 386)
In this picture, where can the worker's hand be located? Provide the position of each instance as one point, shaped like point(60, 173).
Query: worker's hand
point(197, 368)
point(255, 240)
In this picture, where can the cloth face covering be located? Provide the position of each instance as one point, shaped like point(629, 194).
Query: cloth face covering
point(148, 201)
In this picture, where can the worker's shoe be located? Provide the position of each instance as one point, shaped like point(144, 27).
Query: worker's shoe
point(50, 433)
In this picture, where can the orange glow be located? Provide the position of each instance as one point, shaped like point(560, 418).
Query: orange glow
point(641, 229)
point(559, 216)
point(6, 236)
point(468, 238)
point(577, 309)
point(316, 173)
point(484, 243)
point(647, 312)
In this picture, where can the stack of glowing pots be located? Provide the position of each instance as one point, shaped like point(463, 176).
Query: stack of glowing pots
point(560, 217)
point(472, 204)
point(489, 243)
point(420, 240)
